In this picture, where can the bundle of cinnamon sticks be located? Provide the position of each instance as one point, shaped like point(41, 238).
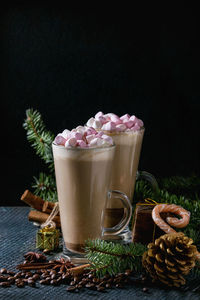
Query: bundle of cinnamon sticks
point(42, 209)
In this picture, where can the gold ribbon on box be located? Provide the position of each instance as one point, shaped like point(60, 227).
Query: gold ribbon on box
point(149, 202)
point(48, 236)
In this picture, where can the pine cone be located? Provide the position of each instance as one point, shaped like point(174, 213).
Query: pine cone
point(169, 258)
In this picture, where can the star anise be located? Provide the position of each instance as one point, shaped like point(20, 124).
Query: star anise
point(62, 265)
point(32, 257)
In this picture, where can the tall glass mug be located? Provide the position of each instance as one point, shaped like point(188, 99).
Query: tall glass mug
point(124, 174)
point(83, 185)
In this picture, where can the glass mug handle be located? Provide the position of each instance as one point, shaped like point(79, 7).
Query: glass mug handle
point(148, 177)
point(126, 217)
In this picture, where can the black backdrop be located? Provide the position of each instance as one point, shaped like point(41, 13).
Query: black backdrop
point(68, 65)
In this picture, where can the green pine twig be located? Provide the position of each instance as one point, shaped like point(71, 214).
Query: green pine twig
point(45, 187)
point(108, 257)
point(39, 138)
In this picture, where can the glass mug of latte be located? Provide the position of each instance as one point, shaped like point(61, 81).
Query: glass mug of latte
point(127, 133)
point(83, 173)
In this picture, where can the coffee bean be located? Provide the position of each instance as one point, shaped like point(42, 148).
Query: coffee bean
point(36, 276)
point(53, 282)
point(17, 275)
point(100, 289)
point(5, 284)
point(18, 280)
point(145, 290)
point(90, 276)
point(3, 271)
point(52, 272)
point(11, 273)
point(25, 280)
point(44, 281)
point(53, 276)
point(119, 285)
point(108, 285)
point(44, 275)
point(20, 284)
point(71, 289)
point(31, 282)
point(79, 286)
point(66, 278)
point(59, 280)
point(90, 285)
point(28, 274)
point(95, 280)
point(11, 279)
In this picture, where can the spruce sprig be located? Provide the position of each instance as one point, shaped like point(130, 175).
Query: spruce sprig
point(109, 257)
point(45, 187)
point(39, 138)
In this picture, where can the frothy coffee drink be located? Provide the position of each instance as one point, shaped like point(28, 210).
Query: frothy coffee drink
point(83, 160)
point(127, 133)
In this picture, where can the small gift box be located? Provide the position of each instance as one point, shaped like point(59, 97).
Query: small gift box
point(144, 229)
point(47, 238)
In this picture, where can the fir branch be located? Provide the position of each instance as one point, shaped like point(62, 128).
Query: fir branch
point(45, 187)
point(39, 138)
point(108, 257)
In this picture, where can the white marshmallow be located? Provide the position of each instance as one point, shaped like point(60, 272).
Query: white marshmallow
point(90, 122)
point(96, 142)
point(97, 124)
point(108, 139)
point(80, 129)
point(90, 137)
point(71, 142)
point(99, 114)
point(66, 133)
point(110, 126)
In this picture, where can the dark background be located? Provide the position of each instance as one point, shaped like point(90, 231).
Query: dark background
point(69, 64)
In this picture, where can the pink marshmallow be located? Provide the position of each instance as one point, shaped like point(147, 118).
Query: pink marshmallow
point(60, 140)
point(101, 119)
point(72, 142)
point(100, 133)
point(114, 118)
point(90, 130)
point(133, 118)
point(126, 116)
point(110, 126)
point(135, 127)
point(140, 122)
point(76, 135)
point(81, 144)
point(121, 127)
point(129, 124)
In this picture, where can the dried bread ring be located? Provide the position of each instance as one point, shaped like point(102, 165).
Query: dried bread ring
point(178, 210)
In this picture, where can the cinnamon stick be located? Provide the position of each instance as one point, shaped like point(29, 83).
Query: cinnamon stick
point(40, 217)
point(37, 202)
point(79, 269)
